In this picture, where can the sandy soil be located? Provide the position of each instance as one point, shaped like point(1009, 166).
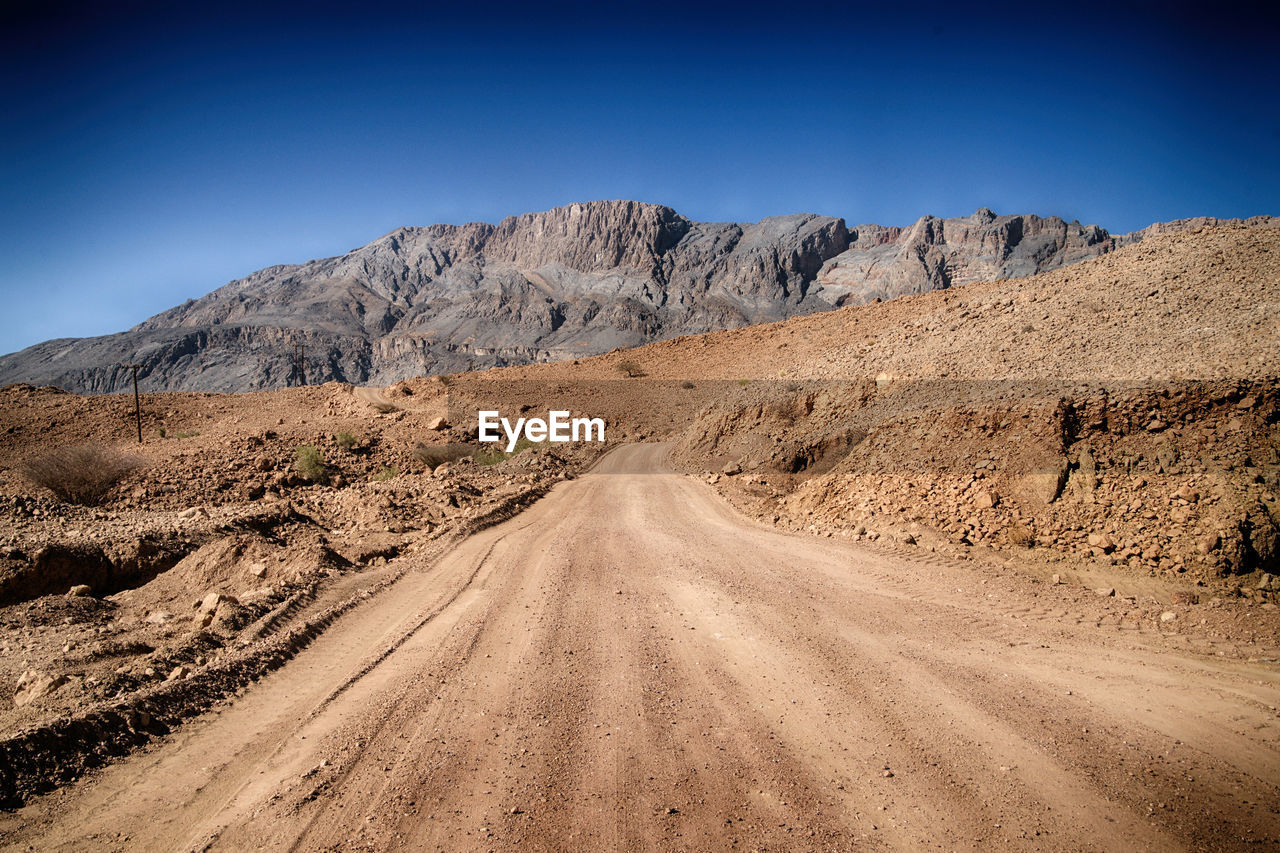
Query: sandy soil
point(630, 664)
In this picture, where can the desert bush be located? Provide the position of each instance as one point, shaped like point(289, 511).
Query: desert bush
point(80, 474)
point(629, 368)
point(310, 464)
point(345, 440)
point(435, 455)
point(489, 455)
point(444, 379)
point(386, 472)
point(494, 453)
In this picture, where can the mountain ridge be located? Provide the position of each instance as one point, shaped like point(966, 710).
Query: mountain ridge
point(569, 282)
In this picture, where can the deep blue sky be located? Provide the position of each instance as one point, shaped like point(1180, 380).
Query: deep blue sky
point(151, 155)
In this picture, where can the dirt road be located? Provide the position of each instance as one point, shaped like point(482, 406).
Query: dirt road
point(630, 665)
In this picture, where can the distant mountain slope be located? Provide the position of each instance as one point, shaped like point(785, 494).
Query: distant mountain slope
point(573, 281)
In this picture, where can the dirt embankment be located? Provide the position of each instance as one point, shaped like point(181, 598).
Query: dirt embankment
point(1178, 482)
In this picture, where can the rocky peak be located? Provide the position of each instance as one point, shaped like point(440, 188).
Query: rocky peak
point(590, 236)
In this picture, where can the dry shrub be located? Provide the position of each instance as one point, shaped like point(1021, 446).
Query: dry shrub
point(629, 368)
point(435, 455)
point(80, 474)
point(311, 465)
point(1021, 535)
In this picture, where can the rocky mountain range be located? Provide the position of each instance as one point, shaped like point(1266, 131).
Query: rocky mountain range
point(565, 283)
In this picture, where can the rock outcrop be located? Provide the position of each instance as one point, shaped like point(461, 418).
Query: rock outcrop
point(574, 281)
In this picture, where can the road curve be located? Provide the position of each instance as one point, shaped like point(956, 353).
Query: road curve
point(631, 665)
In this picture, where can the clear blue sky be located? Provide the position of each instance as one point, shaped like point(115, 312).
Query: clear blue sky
point(149, 155)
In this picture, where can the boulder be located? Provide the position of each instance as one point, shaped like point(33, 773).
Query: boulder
point(210, 602)
point(1102, 542)
point(34, 685)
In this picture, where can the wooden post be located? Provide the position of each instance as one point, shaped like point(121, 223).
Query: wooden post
point(137, 400)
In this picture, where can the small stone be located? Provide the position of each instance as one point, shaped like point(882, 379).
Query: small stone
point(34, 685)
point(1102, 542)
point(1056, 579)
point(888, 774)
point(211, 601)
point(178, 673)
point(1168, 616)
point(986, 500)
point(158, 617)
point(438, 424)
point(1247, 403)
point(79, 590)
point(1106, 591)
point(731, 468)
point(258, 570)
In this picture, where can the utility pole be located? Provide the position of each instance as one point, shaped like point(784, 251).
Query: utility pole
point(137, 401)
point(299, 362)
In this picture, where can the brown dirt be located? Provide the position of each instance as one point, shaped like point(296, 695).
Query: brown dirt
point(630, 664)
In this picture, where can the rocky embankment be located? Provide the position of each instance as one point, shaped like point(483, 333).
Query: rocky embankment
point(1178, 482)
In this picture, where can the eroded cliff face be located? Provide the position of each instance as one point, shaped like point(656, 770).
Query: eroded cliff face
point(884, 263)
point(573, 281)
